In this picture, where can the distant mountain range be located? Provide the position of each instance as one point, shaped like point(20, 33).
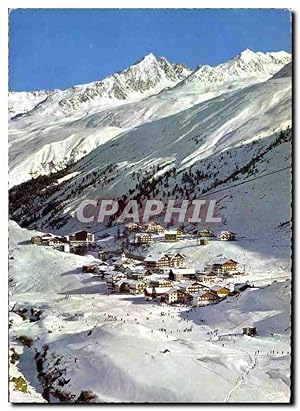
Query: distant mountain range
point(128, 131)
point(148, 76)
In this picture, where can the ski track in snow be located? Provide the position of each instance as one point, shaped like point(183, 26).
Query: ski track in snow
point(241, 379)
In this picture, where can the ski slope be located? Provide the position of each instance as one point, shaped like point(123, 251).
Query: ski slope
point(89, 331)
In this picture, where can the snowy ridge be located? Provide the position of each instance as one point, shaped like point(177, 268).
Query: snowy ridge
point(231, 130)
point(246, 64)
point(21, 102)
point(148, 76)
point(41, 143)
point(286, 71)
point(66, 146)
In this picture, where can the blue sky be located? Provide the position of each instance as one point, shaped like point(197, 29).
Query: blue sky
point(58, 48)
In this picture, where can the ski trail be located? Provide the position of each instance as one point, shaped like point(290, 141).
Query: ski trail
point(242, 378)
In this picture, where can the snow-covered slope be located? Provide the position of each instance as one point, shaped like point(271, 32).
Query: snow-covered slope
point(22, 102)
point(41, 269)
point(222, 134)
point(32, 153)
point(41, 143)
point(220, 122)
point(230, 130)
point(286, 71)
point(88, 341)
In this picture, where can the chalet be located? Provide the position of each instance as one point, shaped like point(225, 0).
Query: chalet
point(179, 232)
point(160, 283)
point(177, 274)
point(171, 296)
point(223, 265)
point(81, 237)
point(204, 298)
point(37, 239)
point(60, 246)
point(112, 279)
point(221, 291)
point(66, 248)
point(165, 261)
point(54, 242)
point(210, 277)
point(152, 292)
point(206, 233)
point(136, 287)
point(182, 296)
point(136, 276)
point(176, 259)
point(135, 271)
point(79, 248)
point(132, 228)
point(173, 235)
point(227, 236)
point(48, 239)
point(190, 287)
point(154, 228)
point(175, 295)
point(143, 238)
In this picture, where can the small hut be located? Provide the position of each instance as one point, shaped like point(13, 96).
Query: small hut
point(202, 241)
point(251, 331)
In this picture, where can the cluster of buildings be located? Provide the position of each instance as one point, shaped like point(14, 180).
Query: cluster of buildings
point(161, 277)
point(165, 278)
point(207, 234)
point(73, 242)
point(151, 231)
point(146, 234)
point(81, 241)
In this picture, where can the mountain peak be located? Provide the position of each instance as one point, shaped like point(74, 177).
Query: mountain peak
point(148, 58)
point(247, 64)
point(247, 55)
point(147, 76)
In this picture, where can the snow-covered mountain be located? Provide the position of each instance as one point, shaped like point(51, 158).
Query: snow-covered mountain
point(147, 76)
point(149, 90)
point(103, 152)
point(155, 130)
point(222, 138)
point(24, 101)
point(246, 64)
